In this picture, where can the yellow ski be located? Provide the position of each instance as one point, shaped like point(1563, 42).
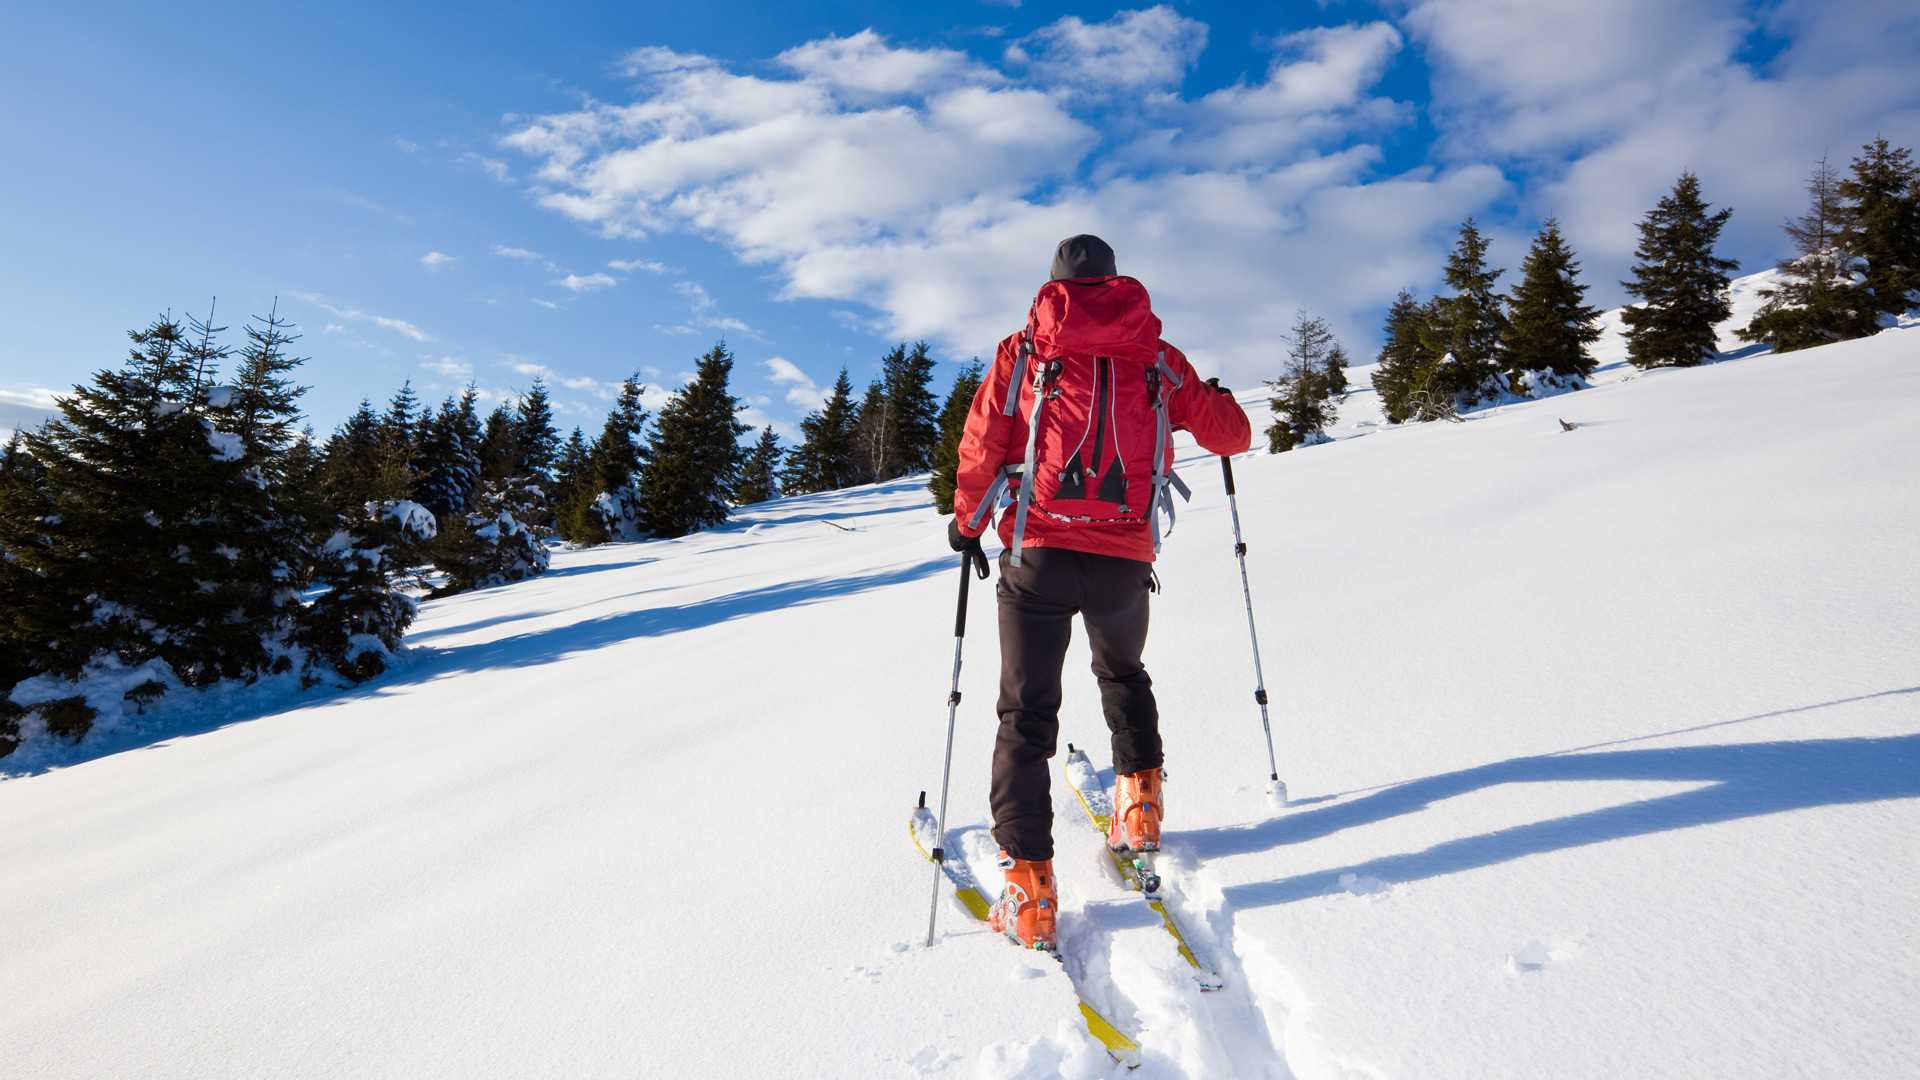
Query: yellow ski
point(925, 832)
point(1135, 868)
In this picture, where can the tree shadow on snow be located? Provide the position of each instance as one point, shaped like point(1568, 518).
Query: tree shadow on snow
point(1741, 780)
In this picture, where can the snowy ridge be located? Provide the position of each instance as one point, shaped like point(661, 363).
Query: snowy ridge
point(1601, 743)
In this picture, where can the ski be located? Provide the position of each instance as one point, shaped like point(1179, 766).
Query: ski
point(926, 837)
point(1136, 868)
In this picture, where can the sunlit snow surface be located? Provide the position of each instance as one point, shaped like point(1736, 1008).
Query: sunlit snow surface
point(1604, 747)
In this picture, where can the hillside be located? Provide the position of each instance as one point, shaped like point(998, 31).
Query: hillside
point(1604, 746)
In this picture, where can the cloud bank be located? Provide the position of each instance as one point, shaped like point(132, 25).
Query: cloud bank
point(931, 186)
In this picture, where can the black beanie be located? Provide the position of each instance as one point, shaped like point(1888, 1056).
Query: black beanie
point(1083, 256)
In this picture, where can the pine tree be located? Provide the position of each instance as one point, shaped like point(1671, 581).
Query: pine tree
point(1882, 227)
point(870, 429)
point(695, 451)
point(953, 425)
point(364, 464)
point(537, 443)
point(757, 482)
point(1305, 397)
point(824, 460)
point(265, 402)
point(618, 458)
point(1816, 302)
point(449, 458)
point(572, 495)
point(912, 410)
point(500, 457)
point(1407, 376)
point(1551, 325)
point(1468, 328)
point(1682, 284)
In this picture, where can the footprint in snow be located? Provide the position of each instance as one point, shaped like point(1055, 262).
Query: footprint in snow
point(1361, 885)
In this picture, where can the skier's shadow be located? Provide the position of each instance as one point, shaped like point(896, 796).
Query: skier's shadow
point(1740, 780)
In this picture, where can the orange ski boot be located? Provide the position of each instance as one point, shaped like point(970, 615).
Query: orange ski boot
point(1136, 811)
point(1028, 904)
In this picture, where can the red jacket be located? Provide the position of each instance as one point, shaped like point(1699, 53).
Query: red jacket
point(994, 439)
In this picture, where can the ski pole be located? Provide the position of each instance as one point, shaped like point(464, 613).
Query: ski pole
point(1276, 791)
point(968, 558)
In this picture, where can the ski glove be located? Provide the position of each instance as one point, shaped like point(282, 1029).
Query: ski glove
point(967, 545)
point(1215, 383)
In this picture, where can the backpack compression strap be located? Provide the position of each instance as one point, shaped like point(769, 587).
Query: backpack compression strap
point(1043, 377)
point(1163, 474)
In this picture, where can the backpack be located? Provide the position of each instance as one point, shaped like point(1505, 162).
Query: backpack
point(1093, 376)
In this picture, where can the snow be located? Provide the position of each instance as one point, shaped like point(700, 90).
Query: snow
point(226, 446)
point(1603, 746)
point(220, 397)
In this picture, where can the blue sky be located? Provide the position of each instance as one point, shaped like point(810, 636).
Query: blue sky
point(497, 192)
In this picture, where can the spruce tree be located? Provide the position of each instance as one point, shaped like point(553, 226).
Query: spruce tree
point(537, 443)
point(1407, 371)
point(500, 457)
point(953, 425)
point(1815, 303)
point(824, 460)
point(618, 457)
point(449, 457)
point(265, 404)
point(757, 476)
point(1882, 227)
point(1468, 329)
point(1681, 283)
point(1551, 324)
point(913, 412)
point(695, 452)
point(572, 495)
point(1305, 397)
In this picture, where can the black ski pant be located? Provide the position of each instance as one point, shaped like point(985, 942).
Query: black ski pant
point(1038, 601)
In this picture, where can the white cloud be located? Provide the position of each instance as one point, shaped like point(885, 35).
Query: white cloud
point(433, 260)
point(453, 367)
point(400, 326)
point(801, 389)
point(630, 265)
point(864, 65)
point(1135, 51)
point(24, 410)
point(493, 167)
point(523, 254)
point(548, 304)
point(1609, 103)
point(931, 190)
point(588, 283)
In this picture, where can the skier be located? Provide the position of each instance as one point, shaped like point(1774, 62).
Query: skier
point(1076, 416)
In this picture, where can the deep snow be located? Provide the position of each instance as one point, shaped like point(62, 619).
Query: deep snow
point(1604, 746)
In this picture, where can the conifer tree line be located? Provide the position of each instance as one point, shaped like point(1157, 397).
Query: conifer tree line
point(1855, 271)
point(891, 432)
point(183, 531)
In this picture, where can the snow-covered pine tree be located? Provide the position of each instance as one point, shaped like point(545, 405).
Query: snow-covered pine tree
point(449, 457)
point(953, 424)
point(1681, 283)
point(265, 401)
point(1816, 302)
point(757, 476)
point(353, 627)
point(695, 451)
point(618, 457)
point(1468, 329)
point(1882, 227)
point(491, 543)
point(912, 410)
point(536, 441)
point(1306, 394)
point(1551, 324)
point(824, 459)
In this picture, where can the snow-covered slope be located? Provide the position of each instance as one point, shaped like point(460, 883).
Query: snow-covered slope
point(1604, 745)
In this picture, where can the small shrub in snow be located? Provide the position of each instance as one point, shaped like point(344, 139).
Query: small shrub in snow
point(67, 718)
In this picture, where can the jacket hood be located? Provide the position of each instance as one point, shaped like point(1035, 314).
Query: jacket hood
point(1107, 316)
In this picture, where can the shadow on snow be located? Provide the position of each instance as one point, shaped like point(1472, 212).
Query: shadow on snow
point(1741, 780)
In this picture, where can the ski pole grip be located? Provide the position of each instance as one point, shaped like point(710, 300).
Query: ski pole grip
point(1226, 469)
point(960, 614)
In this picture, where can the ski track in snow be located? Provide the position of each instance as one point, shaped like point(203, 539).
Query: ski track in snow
point(1603, 746)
